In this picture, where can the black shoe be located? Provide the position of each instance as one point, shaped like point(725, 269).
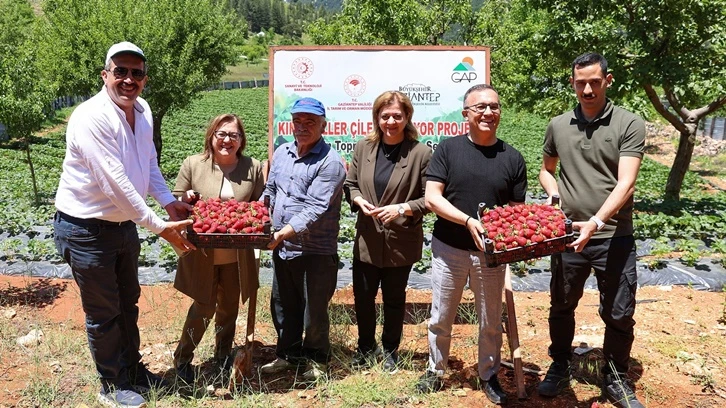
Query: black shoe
point(185, 373)
point(429, 382)
point(363, 360)
point(142, 380)
point(616, 390)
point(494, 391)
point(390, 362)
point(558, 377)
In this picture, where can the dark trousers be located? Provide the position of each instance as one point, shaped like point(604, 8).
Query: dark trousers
point(104, 259)
point(301, 290)
point(392, 281)
point(613, 261)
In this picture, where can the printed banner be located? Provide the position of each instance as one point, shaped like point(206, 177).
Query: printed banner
point(348, 79)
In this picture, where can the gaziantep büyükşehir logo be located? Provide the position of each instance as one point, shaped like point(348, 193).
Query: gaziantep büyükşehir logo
point(464, 71)
point(354, 85)
point(302, 67)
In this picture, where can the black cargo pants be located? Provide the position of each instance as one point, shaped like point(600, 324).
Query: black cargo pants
point(613, 261)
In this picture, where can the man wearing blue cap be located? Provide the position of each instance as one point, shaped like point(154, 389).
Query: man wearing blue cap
point(109, 168)
point(306, 188)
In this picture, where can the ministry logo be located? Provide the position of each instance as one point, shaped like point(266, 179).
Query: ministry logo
point(302, 67)
point(354, 85)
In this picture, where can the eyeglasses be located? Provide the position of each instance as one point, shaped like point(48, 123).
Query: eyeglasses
point(482, 107)
point(221, 134)
point(122, 72)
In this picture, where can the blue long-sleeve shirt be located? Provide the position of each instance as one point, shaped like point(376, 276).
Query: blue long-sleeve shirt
point(306, 192)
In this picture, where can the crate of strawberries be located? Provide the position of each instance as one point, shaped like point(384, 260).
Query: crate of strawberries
point(522, 232)
point(230, 224)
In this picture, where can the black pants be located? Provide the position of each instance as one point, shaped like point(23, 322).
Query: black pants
point(104, 259)
point(301, 290)
point(613, 261)
point(366, 279)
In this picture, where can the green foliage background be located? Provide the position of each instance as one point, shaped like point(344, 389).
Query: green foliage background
point(701, 215)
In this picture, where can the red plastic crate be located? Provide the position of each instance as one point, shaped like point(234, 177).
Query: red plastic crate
point(231, 241)
point(548, 247)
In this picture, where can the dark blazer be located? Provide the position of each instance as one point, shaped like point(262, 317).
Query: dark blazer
point(195, 271)
point(400, 242)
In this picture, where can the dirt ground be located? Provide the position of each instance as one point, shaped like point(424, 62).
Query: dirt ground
point(661, 146)
point(678, 359)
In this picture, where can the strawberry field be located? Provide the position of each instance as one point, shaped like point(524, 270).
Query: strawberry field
point(689, 235)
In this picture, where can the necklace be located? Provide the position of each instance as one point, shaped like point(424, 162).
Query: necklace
point(388, 154)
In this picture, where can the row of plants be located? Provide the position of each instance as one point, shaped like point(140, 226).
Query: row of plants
point(697, 221)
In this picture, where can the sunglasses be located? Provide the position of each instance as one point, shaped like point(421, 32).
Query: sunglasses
point(122, 72)
point(221, 134)
point(482, 107)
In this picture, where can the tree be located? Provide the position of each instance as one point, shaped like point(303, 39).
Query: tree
point(188, 44)
point(522, 73)
point(24, 97)
point(394, 22)
point(674, 47)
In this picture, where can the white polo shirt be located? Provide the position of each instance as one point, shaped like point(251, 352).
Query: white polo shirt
point(108, 169)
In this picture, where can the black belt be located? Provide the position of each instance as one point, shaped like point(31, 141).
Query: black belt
point(91, 221)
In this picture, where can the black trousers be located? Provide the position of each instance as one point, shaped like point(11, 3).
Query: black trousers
point(301, 290)
point(104, 259)
point(392, 281)
point(613, 261)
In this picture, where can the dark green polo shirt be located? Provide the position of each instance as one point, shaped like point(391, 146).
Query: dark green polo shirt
point(589, 153)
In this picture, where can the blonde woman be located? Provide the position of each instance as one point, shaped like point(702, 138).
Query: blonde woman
point(386, 184)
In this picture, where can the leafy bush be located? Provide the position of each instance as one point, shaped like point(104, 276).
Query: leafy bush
point(699, 215)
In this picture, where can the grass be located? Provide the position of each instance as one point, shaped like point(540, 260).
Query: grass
point(59, 372)
point(245, 71)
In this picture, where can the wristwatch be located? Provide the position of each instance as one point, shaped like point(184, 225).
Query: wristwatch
point(598, 222)
point(401, 210)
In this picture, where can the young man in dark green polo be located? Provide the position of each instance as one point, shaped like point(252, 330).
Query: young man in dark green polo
point(599, 147)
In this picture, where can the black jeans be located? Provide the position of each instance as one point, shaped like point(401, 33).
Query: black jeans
point(301, 290)
point(104, 259)
point(366, 280)
point(613, 261)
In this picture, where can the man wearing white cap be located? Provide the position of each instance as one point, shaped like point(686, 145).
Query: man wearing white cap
point(109, 168)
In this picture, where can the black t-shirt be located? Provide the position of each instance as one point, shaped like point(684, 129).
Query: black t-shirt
point(385, 162)
point(473, 174)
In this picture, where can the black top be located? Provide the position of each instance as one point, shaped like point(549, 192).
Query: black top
point(385, 162)
point(473, 174)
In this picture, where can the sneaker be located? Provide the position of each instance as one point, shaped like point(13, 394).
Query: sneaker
point(315, 371)
point(142, 380)
point(494, 391)
point(390, 362)
point(616, 390)
point(277, 366)
point(120, 398)
point(429, 382)
point(185, 373)
point(558, 377)
point(365, 360)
